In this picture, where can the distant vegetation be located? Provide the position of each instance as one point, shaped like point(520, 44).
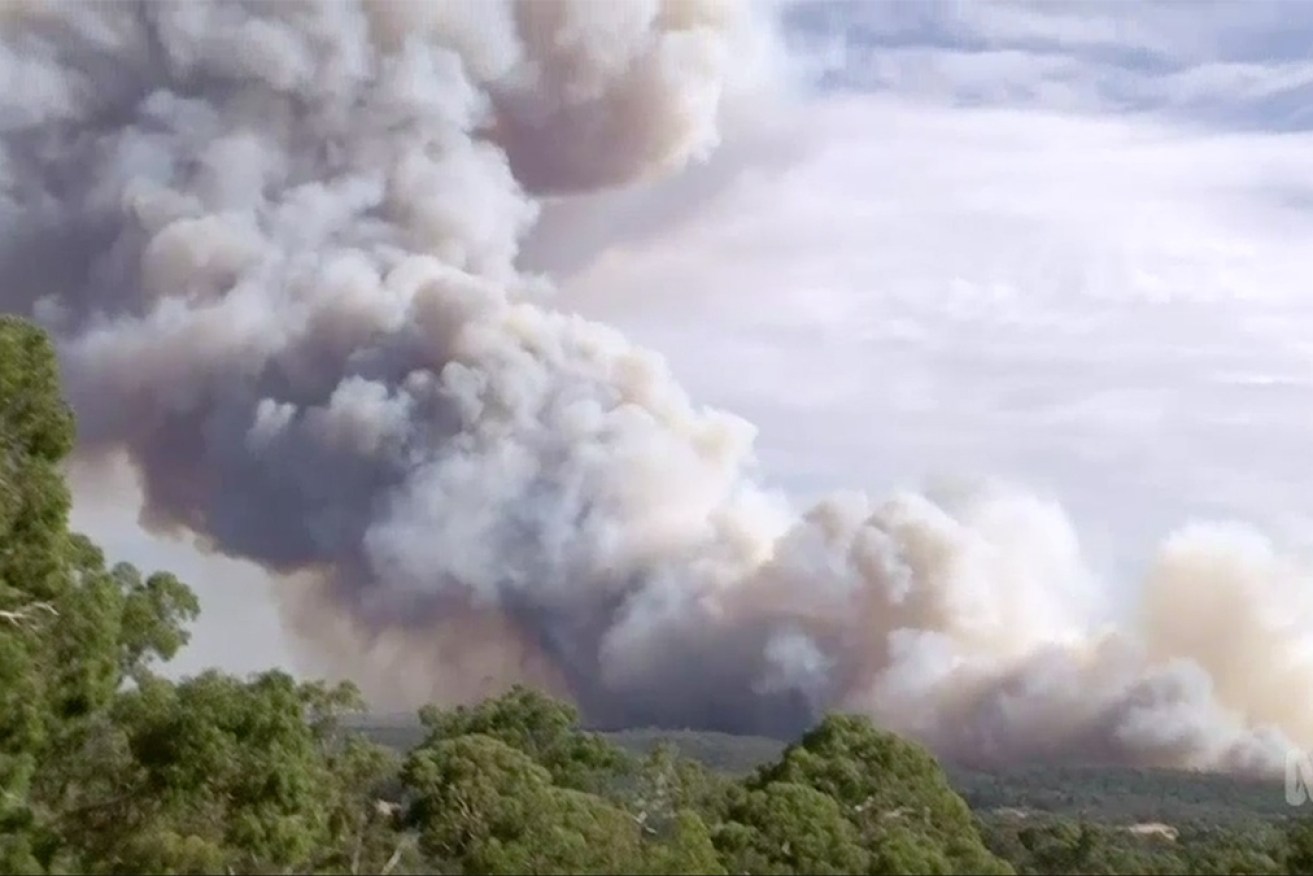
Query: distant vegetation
point(107, 767)
point(1134, 820)
point(1112, 795)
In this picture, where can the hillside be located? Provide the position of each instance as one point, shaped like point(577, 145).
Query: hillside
point(1113, 795)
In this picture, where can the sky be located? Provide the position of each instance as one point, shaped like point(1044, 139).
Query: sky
point(1059, 244)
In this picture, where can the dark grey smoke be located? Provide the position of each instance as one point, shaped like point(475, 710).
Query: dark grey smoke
point(277, 244)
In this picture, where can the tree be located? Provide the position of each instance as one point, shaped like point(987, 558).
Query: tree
point(104, 766)
point(892, 790)
point(481, 806)
point(668, 784)
point(543, 728)
point(1299, 846)
point(110, 627)
point(687, 848)
point(72, 632)
point(36, 432)
point(217, 773)
point(785, 827)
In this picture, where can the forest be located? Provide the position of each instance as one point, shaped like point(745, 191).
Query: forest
point(109, 766)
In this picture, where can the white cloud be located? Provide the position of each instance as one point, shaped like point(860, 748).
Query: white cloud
point(1110, 307)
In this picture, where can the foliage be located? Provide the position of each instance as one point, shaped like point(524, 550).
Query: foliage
point(104, 765)
point(1125, 795)
point(545, 730)
point(73, 633)
point(786, 827)
point(893, 791)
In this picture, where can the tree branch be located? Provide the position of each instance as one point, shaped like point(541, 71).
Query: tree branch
point(392, 861)
point(355, 853)
point(27, 614)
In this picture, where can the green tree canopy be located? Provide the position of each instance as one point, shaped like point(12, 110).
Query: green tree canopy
point(785, 827)
point(546, 730)
point(72, 632)
point(104, 765)
point(892, 790)
point(481, 806)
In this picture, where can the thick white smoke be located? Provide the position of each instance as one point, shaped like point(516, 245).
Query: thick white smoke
point(277, 244)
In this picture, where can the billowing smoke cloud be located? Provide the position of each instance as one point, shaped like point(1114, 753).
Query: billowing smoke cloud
point(277, 244)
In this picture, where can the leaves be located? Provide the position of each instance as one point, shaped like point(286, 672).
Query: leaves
point(892, 790)
point(785, 827)
point(546, 730)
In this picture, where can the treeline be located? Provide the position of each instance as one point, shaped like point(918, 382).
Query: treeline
point(1107, 794)
point(108, 767)
point(1061, 844)
point(1125, 794)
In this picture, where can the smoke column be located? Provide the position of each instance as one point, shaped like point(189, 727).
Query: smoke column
point(276, 243)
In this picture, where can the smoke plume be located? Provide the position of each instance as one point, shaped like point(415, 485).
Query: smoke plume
point(277, 246)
